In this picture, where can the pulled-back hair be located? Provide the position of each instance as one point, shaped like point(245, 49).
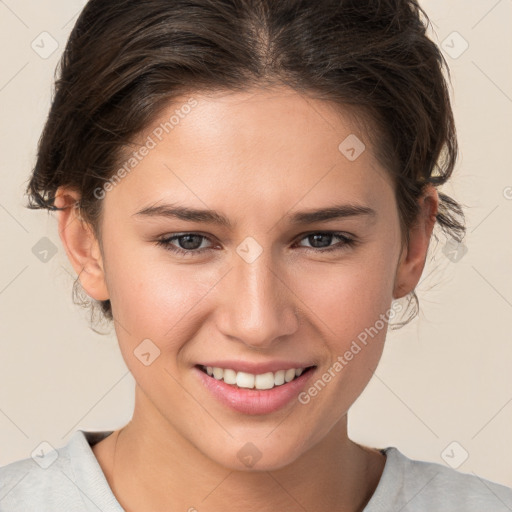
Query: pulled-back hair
point(125, 60)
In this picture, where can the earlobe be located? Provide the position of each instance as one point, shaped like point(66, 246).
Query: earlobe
point(80, 244)
point(413, 256)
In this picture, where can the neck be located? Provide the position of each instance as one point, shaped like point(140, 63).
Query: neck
point(155, 468)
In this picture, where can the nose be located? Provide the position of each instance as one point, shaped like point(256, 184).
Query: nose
point(258, 305)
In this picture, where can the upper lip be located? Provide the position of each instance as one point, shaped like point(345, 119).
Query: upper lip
point(256, 368)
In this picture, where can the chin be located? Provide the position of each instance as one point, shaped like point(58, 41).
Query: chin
point(258, 455)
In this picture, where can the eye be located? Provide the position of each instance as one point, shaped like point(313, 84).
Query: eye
point(324, 238)
point(190, 244)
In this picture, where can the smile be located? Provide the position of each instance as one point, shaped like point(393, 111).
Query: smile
point(260, 381)
point(254, 388)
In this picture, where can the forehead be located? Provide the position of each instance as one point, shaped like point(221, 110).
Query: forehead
point(242, 123)
point(273, 145)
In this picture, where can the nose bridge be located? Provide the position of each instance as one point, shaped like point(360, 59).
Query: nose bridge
point(259, 307)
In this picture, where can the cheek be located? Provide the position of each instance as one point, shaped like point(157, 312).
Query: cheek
point(350, 295)
point(351, 304)
point(153, 297)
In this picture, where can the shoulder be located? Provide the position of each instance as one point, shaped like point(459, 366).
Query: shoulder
point(52, 479)
point(46, 478)
point(416, 485)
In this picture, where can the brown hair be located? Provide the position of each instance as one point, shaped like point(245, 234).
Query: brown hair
point(127, 59)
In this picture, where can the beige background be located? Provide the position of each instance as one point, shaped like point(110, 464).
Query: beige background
point(445, 378)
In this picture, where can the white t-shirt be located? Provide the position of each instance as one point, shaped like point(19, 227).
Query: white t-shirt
point(69, 479)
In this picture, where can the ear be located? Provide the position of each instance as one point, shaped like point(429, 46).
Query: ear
point(80, 243)
point(413, 256)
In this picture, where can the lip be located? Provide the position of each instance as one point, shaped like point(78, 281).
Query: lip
point(254, 401)
point(257, 368)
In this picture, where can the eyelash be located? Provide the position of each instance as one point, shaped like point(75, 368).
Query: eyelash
point(347, 243)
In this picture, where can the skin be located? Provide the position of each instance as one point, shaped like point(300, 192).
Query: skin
point(255, 157)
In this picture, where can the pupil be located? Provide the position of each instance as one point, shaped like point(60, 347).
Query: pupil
point(188, 244)
point(315, 237)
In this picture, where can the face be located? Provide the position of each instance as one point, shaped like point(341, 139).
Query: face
point(268, 289)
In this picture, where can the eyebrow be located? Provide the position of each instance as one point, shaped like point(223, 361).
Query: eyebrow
point(303, 217)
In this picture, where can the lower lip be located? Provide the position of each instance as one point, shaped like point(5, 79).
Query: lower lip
point(254, 401)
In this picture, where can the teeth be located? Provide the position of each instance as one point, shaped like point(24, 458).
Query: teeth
point(289, 375)
point(244, 380)
point(248, 380)
point(229, 376)
point(264, 381)
point(279, 377)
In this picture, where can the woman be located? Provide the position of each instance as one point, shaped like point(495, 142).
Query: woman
point(246, 189)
